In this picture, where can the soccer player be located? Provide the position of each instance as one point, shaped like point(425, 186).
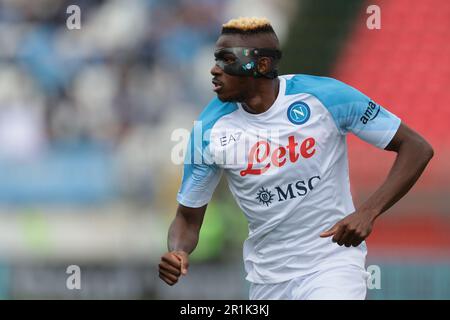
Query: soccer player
point(281, 143)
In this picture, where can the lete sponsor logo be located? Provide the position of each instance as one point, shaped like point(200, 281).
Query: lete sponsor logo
point(261, 154)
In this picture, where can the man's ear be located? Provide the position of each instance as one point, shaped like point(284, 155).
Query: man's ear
point(264, 65)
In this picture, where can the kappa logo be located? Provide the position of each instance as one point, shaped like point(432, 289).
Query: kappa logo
point(298, 113)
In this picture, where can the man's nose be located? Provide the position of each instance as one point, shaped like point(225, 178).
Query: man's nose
point(215, 70)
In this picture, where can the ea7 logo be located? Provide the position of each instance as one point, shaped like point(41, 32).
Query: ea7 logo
point(226, 140)
point(371, 112)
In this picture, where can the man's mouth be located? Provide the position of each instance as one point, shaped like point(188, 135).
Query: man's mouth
point(217, 85)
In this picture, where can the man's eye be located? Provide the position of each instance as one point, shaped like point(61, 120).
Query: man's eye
point(228, 60)
point(225, 60)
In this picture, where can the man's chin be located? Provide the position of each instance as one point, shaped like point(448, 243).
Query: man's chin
point(224, 98)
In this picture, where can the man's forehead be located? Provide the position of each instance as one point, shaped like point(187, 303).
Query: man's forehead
point(253, 41)
point(228, 41)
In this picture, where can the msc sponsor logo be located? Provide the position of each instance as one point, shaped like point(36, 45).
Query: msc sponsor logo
point(265, 196)
point(299, 189)
point(287, 192)
point(298, 113)
point(371, 112)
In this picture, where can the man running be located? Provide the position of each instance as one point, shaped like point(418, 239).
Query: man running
point(281, 143)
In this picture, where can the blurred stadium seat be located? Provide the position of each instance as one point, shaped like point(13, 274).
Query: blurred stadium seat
point(86, 119)
point(404, 66)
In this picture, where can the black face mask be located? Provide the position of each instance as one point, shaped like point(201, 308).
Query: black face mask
point(241, 61)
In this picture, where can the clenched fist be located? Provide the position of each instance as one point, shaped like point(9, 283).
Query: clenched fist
point(172, 266)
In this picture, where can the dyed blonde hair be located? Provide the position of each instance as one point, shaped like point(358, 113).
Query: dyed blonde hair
point(247, 25)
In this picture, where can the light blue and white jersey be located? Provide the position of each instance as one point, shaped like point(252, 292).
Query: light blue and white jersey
point(287, 168)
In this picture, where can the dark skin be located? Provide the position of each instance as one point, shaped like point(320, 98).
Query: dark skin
point(413, 155)
point(258, 95)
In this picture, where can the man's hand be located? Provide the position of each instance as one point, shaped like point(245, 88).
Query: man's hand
point(413, 155)
point(182, 240)
point(352, 230)
point(173, 265)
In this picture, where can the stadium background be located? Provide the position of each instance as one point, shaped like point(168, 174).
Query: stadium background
point(86, 118)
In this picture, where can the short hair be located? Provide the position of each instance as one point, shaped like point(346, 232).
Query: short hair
point(247, 25)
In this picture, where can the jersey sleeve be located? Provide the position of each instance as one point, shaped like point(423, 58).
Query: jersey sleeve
point(356, 113)
point(200, 174)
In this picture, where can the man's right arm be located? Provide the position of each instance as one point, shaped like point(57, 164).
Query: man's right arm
point(201, 176)
point(182, 240)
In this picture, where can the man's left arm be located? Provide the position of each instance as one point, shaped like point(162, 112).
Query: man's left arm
point(413, 155)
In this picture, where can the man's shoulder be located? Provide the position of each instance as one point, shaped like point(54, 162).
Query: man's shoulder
point(215, 110)
point(300, 83)
point(328, 90)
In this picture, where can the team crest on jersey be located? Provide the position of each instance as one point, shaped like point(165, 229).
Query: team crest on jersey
point(298, 113)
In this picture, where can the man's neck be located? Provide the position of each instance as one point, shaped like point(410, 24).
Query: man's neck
point(263, 98)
